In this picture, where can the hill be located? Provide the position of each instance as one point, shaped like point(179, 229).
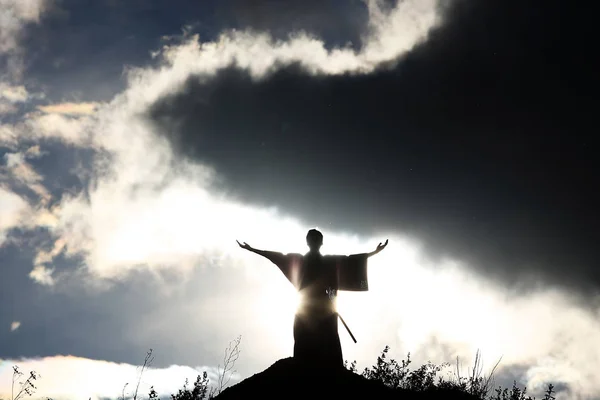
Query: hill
point(287, 379)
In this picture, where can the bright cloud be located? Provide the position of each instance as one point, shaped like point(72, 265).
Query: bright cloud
point(68, 377)
point(71, 129)
point(14, 326)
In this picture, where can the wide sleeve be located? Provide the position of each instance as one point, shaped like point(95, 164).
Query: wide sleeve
point(289, 264)
point(351, 272)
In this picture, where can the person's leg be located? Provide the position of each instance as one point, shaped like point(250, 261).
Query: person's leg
point(316, 341)
point(305, 339)
point(332, 338)
point(298, 335)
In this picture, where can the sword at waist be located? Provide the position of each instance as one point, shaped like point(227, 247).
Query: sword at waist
point(346, 326)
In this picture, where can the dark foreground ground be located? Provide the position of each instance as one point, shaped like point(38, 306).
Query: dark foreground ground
point(287, 379)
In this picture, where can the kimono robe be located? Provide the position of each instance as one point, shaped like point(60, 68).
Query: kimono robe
point(318, 278)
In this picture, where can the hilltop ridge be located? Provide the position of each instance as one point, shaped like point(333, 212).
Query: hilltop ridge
point(287, 378)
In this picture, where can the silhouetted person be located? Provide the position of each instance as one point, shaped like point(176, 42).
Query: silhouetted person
point(318, 278)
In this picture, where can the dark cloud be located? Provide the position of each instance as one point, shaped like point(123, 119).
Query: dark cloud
point(478, 142)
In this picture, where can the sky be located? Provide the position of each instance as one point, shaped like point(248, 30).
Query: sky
point(139, 140)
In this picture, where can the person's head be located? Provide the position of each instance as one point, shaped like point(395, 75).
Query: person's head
point(314, 239)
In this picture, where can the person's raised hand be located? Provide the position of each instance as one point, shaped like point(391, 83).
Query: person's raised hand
point(381, 246)
point(244, 245)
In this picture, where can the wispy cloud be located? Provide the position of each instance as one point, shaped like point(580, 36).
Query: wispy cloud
point(14, 94)
point(10, 96)
point(8, 136)
point(15, 15)
point(42, 275)
point(18, 171)
point(13, 212)
point(70, 108)
point(7, 108)
point(71, 129)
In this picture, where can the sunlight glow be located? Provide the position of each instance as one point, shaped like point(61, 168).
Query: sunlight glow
point(422, 302)
point(274, 311)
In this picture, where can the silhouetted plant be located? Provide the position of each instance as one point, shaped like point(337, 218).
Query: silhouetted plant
point(201, 390)
point(549, 391)
point(423, 378)
point(388, 371)
point(153, 394)
point(232, 353)
point(475, 384)
point(398, 376)
point(514, 394)
point(27, 388)
point(147, 362)
point(198, 392)
point(123, 391)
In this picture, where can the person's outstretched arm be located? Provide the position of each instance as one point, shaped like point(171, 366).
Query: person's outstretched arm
point(288, 264)
point(352, 270)
point(274, 256)
point(380, 247)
